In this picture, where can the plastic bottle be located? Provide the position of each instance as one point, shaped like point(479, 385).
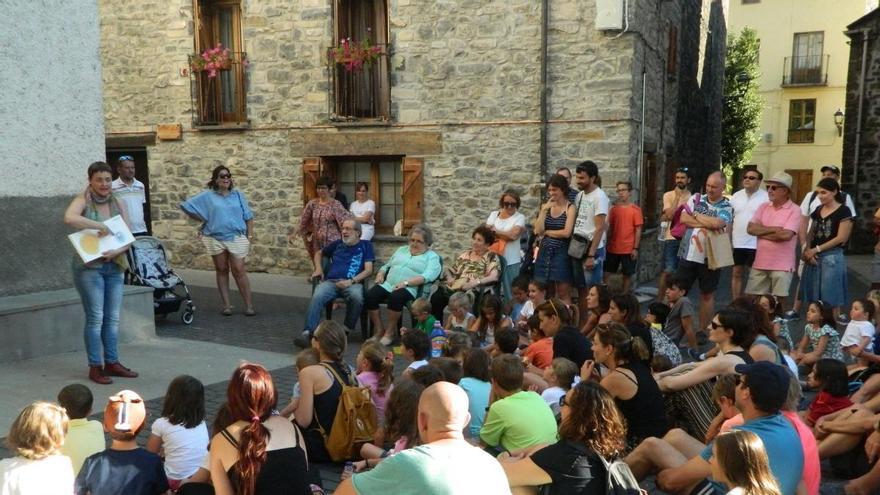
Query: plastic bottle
point(438, 340)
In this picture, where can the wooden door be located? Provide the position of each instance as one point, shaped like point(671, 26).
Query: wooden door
point(801, 183)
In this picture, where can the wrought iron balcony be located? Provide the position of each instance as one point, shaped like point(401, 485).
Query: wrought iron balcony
point(219, 100)
point(807, 70)
point(359, 84)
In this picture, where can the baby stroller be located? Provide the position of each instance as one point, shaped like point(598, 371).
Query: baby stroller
point(149, 268)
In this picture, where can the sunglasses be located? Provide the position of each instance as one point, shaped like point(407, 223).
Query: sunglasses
point(751, 177)
point(125, 158)
point(715, 326)
point(773, 188)
point(224, 176)
point(508, 204)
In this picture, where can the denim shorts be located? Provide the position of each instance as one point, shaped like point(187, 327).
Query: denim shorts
point(670, 255)
point(826, 280)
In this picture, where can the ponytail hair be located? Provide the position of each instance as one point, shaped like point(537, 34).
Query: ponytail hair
point(555, 307)
point(626, 347)
point(832, 186)
point(380, 360)
point(251, 398)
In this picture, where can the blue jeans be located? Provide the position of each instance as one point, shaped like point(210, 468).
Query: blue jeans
point(325, 293)
point(594, 276)
point(510, 272)
point(100, 289)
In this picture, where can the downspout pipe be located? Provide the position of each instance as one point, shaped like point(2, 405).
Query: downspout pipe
point(545, 28)
point(861, 107)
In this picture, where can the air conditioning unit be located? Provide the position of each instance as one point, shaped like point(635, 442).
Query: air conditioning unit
point(609, 15)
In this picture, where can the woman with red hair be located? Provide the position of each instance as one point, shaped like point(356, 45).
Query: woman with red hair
point(259, 453)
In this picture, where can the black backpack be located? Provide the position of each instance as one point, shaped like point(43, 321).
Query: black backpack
point(619, 478)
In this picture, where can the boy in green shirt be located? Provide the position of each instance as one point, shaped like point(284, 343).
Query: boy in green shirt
point(421, 313)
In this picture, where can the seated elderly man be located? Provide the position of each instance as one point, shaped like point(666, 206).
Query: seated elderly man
point(683, 461)
point(350, 263)
point(444, 463)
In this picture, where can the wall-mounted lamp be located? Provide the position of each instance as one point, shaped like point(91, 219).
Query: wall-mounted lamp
point(838, 121)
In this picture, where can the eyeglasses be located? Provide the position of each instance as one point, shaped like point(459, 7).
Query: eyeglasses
point(508, 204)
point(750, 177)
point(773, 188)
point(563, 401)
point(715, 326)
point(224, 176)
point(125, 158)
point(416, 241)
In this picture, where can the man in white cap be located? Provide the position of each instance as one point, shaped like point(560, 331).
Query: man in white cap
point(775, 224)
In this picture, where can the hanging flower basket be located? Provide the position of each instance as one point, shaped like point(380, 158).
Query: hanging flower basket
point(355, 56)
point(212, 60)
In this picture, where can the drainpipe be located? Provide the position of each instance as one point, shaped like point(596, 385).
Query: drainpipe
point(641, 157)
point(858, 143)
point(545, 28)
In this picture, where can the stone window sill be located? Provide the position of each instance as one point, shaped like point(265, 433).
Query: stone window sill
point(231, 126)
point(361, 123)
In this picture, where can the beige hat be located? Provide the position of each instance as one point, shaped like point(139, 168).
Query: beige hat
point(781, 178)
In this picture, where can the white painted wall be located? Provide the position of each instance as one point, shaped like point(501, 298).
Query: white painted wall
point(51, 110)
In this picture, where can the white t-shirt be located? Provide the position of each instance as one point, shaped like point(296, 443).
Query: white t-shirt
point(360, 209)
point(512, 253)
point(551, 397)
point(744, 208)
point(855, 330)
point(184, 447)
point(20, 476)
point(591, 204)
point(133, 197)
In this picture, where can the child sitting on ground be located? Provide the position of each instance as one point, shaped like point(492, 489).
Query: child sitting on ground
point(662, 344)
point(772, 305)
point(421, 315)
point(491, 320)
point(559, 377)
point(475, 384)
point(520, 295)
point(506, 342)
point(306, 357)
point(785, 350)
point(181, 431)
point(374, 370)
point(679, 323)
point(416, 347)
point(537, 295)
point(829, 376)
point(820, 340)
point(84, 437)
point(539, 354)
point(859, 334)
point(459, 318)
point(450, 368)
point(401, 429)
point(457, 343)
point(36, 436)
point(724, 395)
point(124, 467)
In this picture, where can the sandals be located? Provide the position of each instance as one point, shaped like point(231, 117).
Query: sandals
point(250, 312)
point(227, 311)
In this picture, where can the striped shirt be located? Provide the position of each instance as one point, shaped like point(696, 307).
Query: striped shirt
point(555, 223)
point(133, 197)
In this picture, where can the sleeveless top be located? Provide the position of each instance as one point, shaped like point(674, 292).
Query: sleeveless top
point(644, 412)
point(285, 471)
point(91, 212)
point(744, 355)
point(324, 412)
point(555, 223)
point(764, 340)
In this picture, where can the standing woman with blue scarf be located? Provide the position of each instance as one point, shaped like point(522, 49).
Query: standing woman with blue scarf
point(99, 282)
point(227, 230)
point(824, 275)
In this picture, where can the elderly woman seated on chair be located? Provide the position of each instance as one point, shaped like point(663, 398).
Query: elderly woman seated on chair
point(474, 268)
point(399, 282)
point(349, 262)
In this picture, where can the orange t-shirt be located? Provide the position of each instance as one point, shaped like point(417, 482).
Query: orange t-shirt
point(540, 353)
point(622, 221)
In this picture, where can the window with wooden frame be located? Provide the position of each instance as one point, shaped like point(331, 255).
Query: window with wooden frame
point(801, 121)
point(396, 185)
point(672, 52)
point(648, 190)
point(221, 99)
point(365, 91)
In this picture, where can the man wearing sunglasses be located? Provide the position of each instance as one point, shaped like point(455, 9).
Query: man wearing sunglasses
point(775, 224)
point(745, 203)
point(132, 193)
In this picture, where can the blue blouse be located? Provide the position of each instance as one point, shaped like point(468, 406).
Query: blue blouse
point(224, 216)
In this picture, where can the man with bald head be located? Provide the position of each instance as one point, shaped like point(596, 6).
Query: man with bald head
point(710, 213)
point(444, 464)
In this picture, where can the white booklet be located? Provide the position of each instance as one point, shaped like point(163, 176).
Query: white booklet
point(90, 246)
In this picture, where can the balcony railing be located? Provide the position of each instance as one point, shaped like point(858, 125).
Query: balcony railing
point(807, 70)
point(361, 93)
point(220, 100)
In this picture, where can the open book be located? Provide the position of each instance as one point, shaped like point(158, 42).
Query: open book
point(89, 246)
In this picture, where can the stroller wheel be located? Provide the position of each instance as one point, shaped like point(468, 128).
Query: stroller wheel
point(187, 317)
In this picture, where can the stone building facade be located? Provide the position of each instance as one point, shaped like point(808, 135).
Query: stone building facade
point(453, 116)
point(54, 128)
point(861, 133)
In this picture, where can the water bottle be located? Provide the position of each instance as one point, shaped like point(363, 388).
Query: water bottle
point(661, 232)
point(438, 340)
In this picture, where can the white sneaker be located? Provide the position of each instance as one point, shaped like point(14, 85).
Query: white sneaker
point(386, 341)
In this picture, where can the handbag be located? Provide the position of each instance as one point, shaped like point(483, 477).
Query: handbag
point(500, 244)
point(678, 227)
point(719, 251)
point(577, 247)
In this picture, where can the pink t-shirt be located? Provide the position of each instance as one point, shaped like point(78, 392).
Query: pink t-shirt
point(774, 255)
point(371, 379)
point(812, 471)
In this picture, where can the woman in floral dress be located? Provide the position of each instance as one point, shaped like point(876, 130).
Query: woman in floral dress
point(321, 219)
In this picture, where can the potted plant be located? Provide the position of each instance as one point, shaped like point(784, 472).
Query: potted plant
point(212, 60)
point(355, 56)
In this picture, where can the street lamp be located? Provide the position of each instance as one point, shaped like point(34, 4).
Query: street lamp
point(838, 121)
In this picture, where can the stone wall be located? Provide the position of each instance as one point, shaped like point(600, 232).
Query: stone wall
point(864, 186)
point(53, 129)
point(468, 72)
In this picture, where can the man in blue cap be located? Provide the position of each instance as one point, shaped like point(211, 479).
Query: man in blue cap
point(683, 461)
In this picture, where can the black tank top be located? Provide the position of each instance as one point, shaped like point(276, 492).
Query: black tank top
point(285, 471)
point(744, 355)
point(644, 411)
point(325, 405)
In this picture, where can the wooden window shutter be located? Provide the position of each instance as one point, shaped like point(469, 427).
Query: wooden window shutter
point(413, 191)
point(311, 168)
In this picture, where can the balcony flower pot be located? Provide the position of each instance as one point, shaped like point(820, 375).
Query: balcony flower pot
point(355, 56)
point(212, 61)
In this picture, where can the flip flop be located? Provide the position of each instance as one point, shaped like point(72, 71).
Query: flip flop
point(226, 312)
